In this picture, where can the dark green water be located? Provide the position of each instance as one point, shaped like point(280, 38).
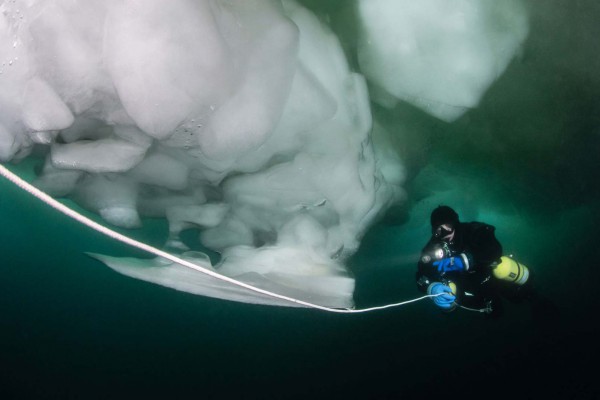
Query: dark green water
point(526, 161)
point(72, 328)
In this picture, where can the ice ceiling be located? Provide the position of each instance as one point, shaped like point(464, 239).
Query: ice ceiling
point(241, 119)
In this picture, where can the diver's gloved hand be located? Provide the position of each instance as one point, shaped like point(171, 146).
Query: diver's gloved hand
point(445, 300)
point(458, 263)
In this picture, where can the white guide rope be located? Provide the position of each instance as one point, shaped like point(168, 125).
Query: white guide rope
point(153, 250)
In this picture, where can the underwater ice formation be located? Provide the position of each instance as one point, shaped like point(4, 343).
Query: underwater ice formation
point(241, 119)
point(440, 55)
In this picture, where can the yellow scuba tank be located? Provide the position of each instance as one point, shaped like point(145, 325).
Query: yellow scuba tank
point(511, 270)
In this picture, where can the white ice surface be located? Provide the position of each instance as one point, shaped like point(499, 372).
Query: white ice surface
point(315, 288)
point(241, 119)
point(440, 55)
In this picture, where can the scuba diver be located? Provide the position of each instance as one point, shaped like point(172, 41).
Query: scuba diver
point(463, 264)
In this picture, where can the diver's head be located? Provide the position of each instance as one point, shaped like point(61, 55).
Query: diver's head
point(444, 221)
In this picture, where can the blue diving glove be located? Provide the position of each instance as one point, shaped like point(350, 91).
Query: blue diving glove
point(444, 301)
point(458, 263)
